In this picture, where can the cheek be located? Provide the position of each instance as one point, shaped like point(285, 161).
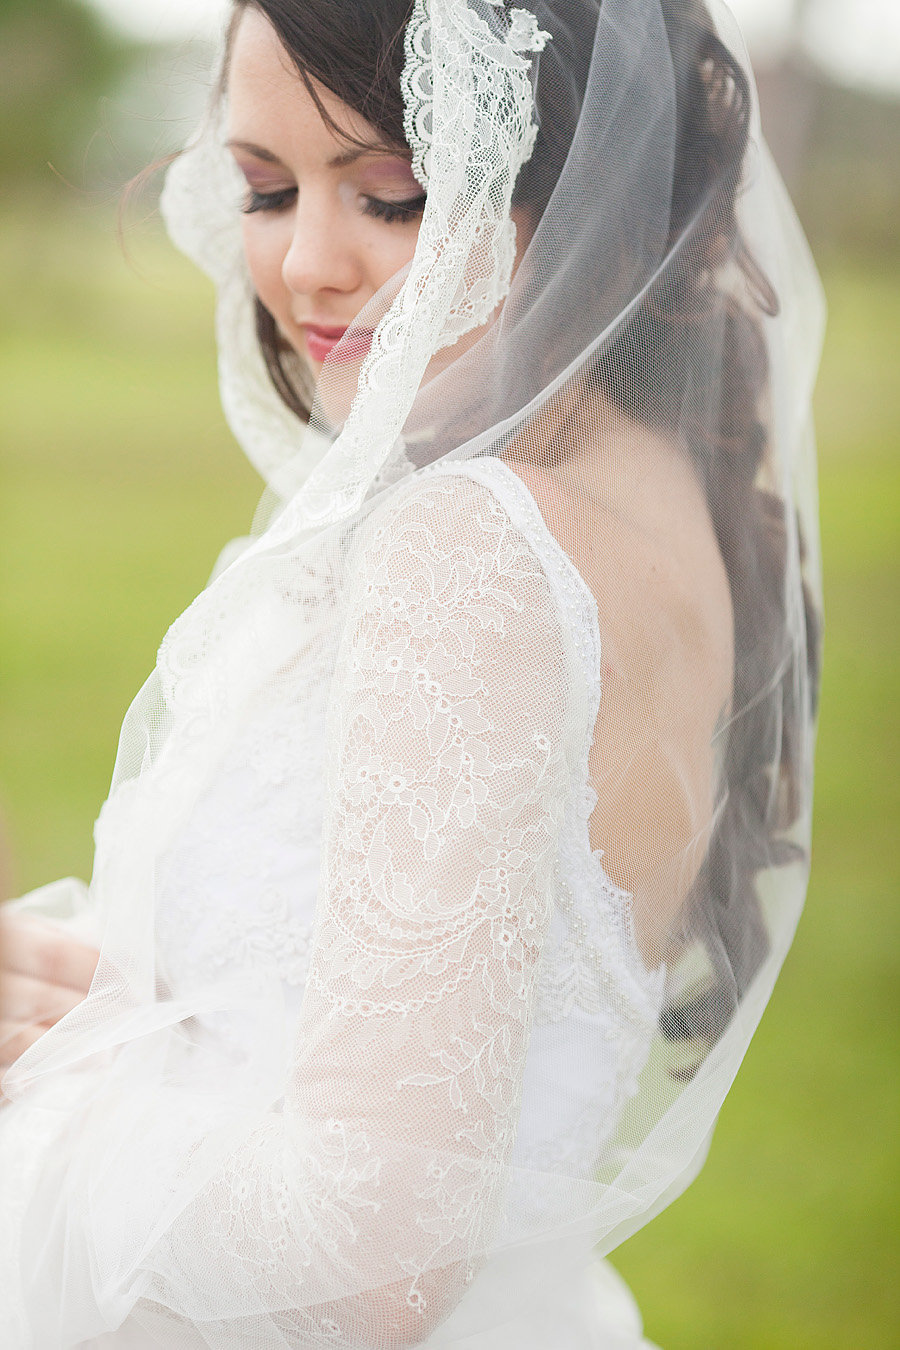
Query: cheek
point(381, 249)
point(265, 249)
point(392, 251)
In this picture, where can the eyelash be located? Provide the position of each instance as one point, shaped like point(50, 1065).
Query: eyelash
point(386, 211)
point(267, 201)
point(391, 211)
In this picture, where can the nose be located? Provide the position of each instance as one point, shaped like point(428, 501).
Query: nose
point(320, 257)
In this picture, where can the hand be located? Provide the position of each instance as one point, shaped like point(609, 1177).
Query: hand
point(43, 975)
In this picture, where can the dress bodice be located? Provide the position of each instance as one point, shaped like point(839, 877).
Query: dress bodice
point(249, 859)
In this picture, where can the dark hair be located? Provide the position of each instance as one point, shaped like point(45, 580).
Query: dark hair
point(356, 51)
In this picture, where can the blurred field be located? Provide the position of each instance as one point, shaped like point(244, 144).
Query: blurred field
point(119, 484)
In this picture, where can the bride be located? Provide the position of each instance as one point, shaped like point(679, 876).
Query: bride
point(456, 841)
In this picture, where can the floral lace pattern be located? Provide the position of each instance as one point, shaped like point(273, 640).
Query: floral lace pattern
point(461, 91)
point(429, 968)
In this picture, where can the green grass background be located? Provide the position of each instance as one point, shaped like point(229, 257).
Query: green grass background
point(120, 482)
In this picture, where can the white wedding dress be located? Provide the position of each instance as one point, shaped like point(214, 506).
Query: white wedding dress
point(480, 1042)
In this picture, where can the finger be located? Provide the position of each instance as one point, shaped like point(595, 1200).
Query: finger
point(33, 948)
point(23, 999)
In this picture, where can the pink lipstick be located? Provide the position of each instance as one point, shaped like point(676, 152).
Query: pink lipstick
point(321, 342)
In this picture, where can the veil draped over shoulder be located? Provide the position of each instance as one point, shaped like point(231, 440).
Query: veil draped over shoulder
point(521, 666)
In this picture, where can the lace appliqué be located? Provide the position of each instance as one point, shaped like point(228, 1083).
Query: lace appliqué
point(481, 73)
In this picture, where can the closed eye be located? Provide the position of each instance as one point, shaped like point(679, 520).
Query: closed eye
point(268, 201)
point(391, 211)
point(374, 206)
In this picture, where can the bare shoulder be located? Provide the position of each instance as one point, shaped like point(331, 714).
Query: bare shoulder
point(638, 529)
point(554, 499)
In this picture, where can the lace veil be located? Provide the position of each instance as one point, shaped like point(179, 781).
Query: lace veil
point(612, 660)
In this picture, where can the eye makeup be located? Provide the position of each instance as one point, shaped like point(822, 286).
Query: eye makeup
point(385, 185)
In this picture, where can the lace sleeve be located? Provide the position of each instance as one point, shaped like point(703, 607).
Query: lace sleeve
point(358, 1214)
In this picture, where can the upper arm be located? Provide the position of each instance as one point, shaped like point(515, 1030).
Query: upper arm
point(446, 787)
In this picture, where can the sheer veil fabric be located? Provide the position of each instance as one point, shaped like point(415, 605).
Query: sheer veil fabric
point(456, 841)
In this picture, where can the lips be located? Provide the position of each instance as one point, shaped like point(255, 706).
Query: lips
point(321, 342)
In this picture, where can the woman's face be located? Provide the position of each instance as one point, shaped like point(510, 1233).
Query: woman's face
point(326, 224)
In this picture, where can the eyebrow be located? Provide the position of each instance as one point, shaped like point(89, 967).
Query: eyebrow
point(342, 161)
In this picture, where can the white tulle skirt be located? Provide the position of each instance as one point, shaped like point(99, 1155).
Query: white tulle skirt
point(536, 1298)
point(520, 1300)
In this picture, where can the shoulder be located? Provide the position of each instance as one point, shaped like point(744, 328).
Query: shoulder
point(554, 499)
point(445, 560)
point(643, 542)
point(456, 516)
